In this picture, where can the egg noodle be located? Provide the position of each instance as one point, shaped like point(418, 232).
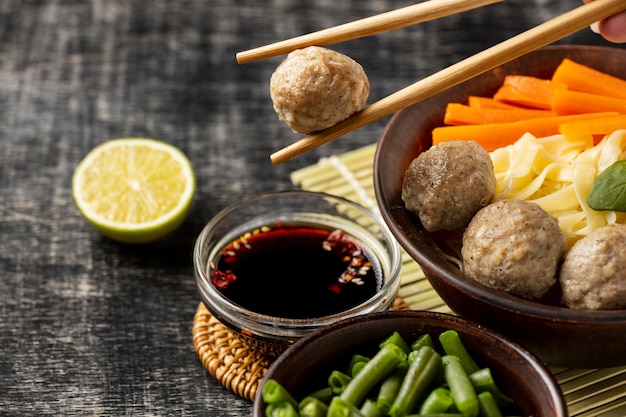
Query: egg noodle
point(557, 172)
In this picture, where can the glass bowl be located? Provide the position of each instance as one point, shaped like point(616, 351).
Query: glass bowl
point(254, 320)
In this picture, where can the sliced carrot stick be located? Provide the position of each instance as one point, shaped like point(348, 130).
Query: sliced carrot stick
point(597, 127)
point(579, 77)
point(574, 102)
point(496, 135)
point(460, 114)
point(527, 91)
point(479, 102)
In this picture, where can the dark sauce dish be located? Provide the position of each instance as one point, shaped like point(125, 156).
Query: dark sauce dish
point(519, 373)
point(558, 335)
point(252, 263)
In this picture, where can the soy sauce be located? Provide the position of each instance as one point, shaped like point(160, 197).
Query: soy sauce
point(297, 271)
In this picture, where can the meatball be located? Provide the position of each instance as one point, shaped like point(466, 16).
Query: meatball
point(448, 183)
point(315, 88)
point(514, 246)
point(592, 275)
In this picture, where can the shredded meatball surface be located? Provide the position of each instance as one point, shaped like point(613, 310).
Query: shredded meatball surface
point(514, 246)
point(448, 183)
point(315, 88)
point(593, 274)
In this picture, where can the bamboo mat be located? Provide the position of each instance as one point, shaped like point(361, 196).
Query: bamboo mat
point(588, 392)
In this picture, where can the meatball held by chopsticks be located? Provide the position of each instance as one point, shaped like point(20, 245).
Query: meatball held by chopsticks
point(315, 88)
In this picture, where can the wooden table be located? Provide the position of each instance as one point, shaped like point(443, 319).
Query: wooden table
point(92, 327)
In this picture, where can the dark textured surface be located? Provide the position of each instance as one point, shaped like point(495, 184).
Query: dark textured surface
point(91, 327)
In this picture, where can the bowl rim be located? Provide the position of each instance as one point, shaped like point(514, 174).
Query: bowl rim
point(528, 357)
point(451, 273)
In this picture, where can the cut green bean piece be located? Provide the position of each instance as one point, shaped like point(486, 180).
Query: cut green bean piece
point(487, 405)
point(422, 371)
point(461, 387)
point(282, 409)
point(323, 394)
point(312, 407)
point(370, 409)
point(483, 381)
point(341, 408)
point(338, 381)
point(356, 368)
point(438, 401)
point(390, 387)
point(385, 360)
point(452, 345)
point(398, 340)
point(424, 339)
point(274, 393)
point(436, 415)
point(358, 361)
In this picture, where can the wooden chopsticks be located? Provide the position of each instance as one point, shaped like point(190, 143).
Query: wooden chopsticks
point(395, 19)
point(541, 35)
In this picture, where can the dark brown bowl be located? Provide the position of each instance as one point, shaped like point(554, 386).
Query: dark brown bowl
point(521, 375)
point(559, 336)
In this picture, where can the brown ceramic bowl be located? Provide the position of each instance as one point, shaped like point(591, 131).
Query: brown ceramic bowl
point(521, 375)
point(558, 335)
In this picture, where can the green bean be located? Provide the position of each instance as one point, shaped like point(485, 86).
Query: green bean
point(422, 371)
point(438, 401)
point(436, 415)
point(385, 360)
point(324, 394)
point(460, 386)
point(312, 407)
point(274, 393)
point(356, 363)
point(483, 381)
point(390, 387)
point(488, 406)
point(338, 381)
point(452, 345)
point(424, 339)
point(281, 409)
point(356, 368)
point(398, 340)
point(370, 409)
point(340, 408)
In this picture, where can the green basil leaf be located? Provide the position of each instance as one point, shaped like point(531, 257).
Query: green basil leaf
point(608, 191)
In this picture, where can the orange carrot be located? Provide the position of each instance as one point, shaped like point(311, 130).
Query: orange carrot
point(527, 91)
point(574, 102)
point(579, 77)
point(479, 102)
point(597, 127)
point(460, 114)
point(496, 135)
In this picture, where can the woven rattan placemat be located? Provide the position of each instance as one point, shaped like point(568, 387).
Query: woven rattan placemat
point(234, 364)
point(588, 392)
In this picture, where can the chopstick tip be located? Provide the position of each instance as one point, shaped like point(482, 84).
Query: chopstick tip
point(240, 58)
